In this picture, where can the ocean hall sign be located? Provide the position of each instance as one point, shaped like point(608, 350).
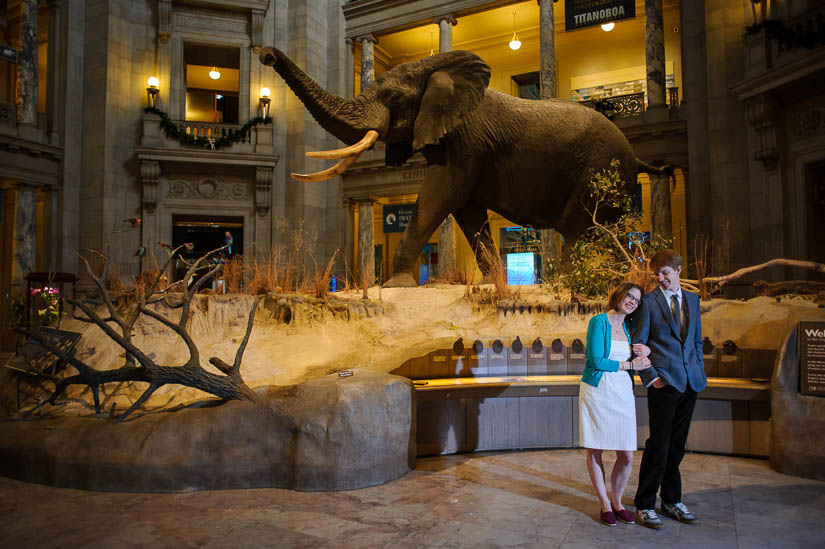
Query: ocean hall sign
point(580, 14)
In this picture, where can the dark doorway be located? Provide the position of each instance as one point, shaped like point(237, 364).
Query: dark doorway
point(815, 212)
point(206, 233)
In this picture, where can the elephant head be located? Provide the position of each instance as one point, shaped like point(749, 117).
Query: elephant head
point(410, 107)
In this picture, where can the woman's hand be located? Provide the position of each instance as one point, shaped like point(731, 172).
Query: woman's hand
point(640, 363)
point(658, 383)
point(640, 349)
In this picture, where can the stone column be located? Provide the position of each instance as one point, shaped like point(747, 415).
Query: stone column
point(23, 241)
point(655, 53)
point(547, 55)
point(447, 264)
point(366, 242)
point(27, 68)
point(350, 85)
point(54, 74)
point(367, 60)
point(445, 32)
point(349, 237)
point(661, 220)
point(447, 256)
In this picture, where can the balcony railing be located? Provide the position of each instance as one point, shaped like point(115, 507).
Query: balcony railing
point(209, 130)
point(631, 104)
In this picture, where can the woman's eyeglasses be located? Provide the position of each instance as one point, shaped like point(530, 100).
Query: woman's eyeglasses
point(633, 298)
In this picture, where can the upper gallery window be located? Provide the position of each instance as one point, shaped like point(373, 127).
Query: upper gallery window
point(211, 74)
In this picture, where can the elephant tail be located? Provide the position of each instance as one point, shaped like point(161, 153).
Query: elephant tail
point(644, 167)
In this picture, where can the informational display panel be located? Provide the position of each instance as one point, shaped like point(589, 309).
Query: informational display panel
point(812, 358)
point(579, 14)
point(397, 217)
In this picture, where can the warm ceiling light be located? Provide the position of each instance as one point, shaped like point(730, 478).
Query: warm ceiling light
point(515, 43)
point(607, 27)
point(214, 74)
point(265, 92)
point(153, 82)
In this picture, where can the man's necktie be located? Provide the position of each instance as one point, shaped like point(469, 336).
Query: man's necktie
point(677, 314)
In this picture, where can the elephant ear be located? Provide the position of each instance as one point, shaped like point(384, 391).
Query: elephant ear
point(453, 90)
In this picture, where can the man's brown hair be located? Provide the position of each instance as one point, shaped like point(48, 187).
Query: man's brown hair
point(614, 302)
point(665, 258)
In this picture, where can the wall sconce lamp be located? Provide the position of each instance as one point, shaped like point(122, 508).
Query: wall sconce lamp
point(607, 27)
point(214, 74)
point(264, 102)
point(152, 91)
point(515, 43)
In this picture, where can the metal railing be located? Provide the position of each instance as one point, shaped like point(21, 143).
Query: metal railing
point(210, 130)
point(631, 104)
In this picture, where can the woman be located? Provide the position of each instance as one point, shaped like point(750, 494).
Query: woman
point(607, 408)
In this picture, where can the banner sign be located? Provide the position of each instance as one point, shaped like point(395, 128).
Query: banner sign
point(8, 54)
point(580, 14)
point(812, 358)
point(397, 217)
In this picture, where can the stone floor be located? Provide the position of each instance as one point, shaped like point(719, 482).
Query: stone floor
point(516, 499)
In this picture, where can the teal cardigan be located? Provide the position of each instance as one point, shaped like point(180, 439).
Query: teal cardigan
point(598, 349)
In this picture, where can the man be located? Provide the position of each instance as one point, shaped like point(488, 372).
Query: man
point(668, 322)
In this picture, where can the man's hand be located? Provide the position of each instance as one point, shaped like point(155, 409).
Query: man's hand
point(658, 383)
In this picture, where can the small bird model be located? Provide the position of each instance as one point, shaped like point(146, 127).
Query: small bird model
point(140, 251)
point(227, 240)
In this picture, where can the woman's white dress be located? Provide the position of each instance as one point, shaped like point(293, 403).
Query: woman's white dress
point(607, 413)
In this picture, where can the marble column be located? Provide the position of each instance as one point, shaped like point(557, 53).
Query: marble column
point(655, 53)
point(366, 242)
point(27, 66)
point(551, 249)
point(547, 49)
point(367, 60)
point(445, 32)
point(23, 240)
point(447, 255)
point(661, 220)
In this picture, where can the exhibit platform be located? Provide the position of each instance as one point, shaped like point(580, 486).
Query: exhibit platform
point(517, 412)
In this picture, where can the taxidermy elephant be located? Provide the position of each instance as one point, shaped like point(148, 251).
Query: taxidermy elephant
point(527, 160)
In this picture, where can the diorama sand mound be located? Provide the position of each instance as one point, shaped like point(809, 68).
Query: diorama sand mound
point(297, 338)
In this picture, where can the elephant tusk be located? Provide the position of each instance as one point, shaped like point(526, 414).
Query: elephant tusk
point(329, 173)
point(368, 141)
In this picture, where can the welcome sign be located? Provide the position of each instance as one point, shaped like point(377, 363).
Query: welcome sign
point(812, 358)
point(580, 14)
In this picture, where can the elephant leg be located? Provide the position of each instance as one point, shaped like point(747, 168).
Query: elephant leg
point(475, 225)
point(445, 189)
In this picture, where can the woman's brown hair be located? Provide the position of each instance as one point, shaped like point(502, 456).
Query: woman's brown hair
point(614, 302)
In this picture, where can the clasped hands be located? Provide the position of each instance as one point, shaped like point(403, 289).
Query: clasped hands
point(641, 361)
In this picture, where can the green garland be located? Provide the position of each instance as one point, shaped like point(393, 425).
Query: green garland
point(787, 37)
point(173, 132)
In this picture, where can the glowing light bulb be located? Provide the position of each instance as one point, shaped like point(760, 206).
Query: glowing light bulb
point(515, 43)
point(214, 74)
point(265, 92)
point(607, 27)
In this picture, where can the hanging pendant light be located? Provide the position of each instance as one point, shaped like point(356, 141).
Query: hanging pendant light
point(607, 27)
point(515, 43)
point(214, 74)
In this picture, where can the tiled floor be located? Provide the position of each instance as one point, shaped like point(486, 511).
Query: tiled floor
point(516, 499)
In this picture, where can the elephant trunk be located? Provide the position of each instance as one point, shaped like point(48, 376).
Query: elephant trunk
point(346, 119)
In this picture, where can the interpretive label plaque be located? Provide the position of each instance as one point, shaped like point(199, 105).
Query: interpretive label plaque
point(812, 358)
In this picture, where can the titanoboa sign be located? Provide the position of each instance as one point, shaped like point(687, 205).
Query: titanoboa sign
point(579, 14)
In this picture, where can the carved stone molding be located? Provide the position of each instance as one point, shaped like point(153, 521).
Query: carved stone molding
point(211, 20)
point(447, 18)
point(367, 38)
point(257, 36)
point(208, 188)
point(263, 188)
point(164, 20)
point(811, 122)
point(760, 113)
point(149, 175)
